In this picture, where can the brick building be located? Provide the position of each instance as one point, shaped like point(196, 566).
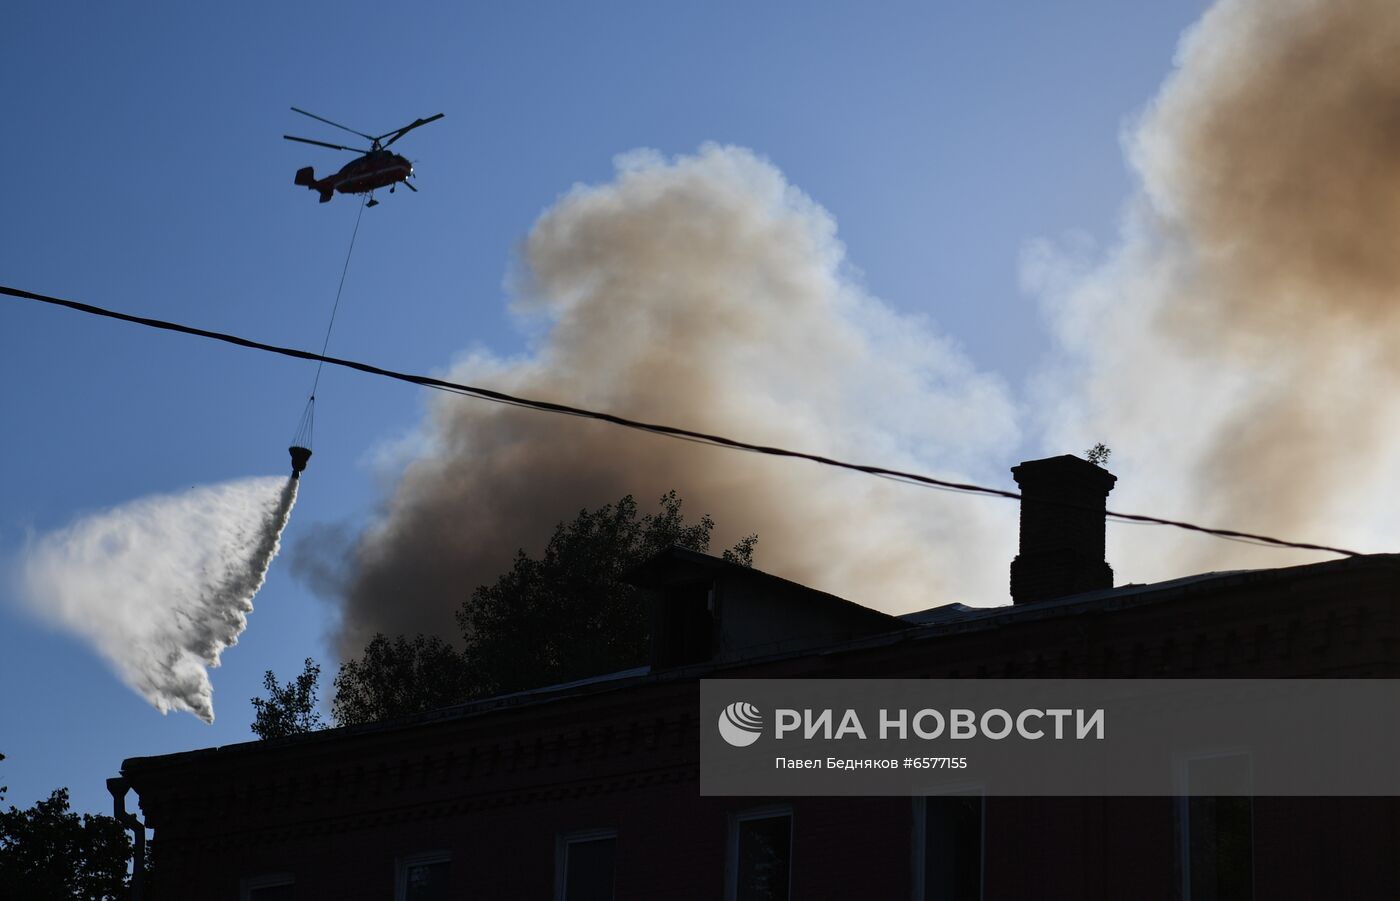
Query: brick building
point(589, 790)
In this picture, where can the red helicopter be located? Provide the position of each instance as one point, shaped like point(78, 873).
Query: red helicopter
point(375, 168)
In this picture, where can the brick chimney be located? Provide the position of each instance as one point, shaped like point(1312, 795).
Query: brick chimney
point(1062, 529)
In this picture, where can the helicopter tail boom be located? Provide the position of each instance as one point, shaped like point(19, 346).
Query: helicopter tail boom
point(307, 178)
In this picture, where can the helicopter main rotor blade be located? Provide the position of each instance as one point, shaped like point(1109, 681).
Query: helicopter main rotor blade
point(398, 133)
point(324, 144)
point(336, 124)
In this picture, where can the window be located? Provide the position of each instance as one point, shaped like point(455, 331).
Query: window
point(1216, 827)
point(268, 887)
point(949, 838)
point(585, 864)
point(760, 855)
point(422, 877)
point(683, 625)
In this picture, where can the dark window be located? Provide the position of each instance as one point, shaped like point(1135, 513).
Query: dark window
point(423, 877)
point(682, 626)
point(1219, 830)
point(952, 848)
point(588, 869)
point(763, 858)
point(284, 892)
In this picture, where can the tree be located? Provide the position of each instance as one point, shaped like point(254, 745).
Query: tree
point(1098, 454)
point(569, 614)
point(565, 615)
point(288, 709)
point(48, 853)
point(400, 676)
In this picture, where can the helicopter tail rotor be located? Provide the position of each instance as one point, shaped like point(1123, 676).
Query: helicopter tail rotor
point(305, 177)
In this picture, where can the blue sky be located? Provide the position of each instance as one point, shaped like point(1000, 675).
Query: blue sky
point(148, 174)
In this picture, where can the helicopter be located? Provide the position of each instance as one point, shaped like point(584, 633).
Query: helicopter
point(374, 168)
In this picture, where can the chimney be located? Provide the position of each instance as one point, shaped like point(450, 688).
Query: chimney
point(1062, 529)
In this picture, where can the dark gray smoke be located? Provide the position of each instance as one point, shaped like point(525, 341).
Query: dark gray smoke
point(706, 292)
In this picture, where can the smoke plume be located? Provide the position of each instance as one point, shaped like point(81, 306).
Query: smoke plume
point(160, 586)
point(1238, 347)
point(706, 292)
point(1234, 346)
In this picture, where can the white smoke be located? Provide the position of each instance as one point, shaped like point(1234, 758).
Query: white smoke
point(160, 586)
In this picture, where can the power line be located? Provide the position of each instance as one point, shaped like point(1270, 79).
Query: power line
point(654, 428)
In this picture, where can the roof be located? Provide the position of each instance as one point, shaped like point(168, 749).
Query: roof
point(959, 617)
point(959, 613)
point(923, 625)
point(679, 565)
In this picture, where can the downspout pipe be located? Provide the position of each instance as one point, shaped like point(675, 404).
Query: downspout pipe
point(119, 787)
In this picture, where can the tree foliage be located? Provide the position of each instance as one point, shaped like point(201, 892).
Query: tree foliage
point(565, 615)
point(398, 677)
point(288, 709)
point(48, 853)
point(569, 614)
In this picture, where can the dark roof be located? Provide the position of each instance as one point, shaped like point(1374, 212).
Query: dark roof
point(952, 617)
point(475, 707)
point(1098, 599)
point(922, 625)
point(678, 565)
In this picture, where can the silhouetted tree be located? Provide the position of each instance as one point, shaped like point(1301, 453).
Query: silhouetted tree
point(288, 709)
point(49, 853)
point(400, 676)
point(569, 614)
point(1098, 454)
point(565, 615)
